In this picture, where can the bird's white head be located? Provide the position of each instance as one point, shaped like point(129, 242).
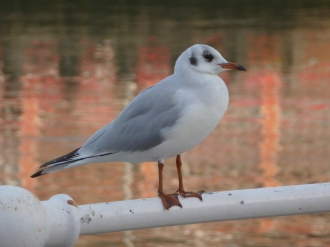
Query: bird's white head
point(204, 59)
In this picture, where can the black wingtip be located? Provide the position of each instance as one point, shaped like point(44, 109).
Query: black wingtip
point(52, 162)
point(37, 174)
point(61, 159)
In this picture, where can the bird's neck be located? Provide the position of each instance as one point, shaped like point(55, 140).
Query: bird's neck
point(191, 77)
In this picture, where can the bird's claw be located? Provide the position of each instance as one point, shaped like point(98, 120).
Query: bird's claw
point(170, 200)
point(186, 194)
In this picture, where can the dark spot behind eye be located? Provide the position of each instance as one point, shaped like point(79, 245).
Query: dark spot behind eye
point(208, 56)
point(193, 61)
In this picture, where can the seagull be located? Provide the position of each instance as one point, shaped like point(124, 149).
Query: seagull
point(163, 121)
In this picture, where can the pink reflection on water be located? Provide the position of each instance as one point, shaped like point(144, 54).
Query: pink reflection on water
point(153, 65)
point(55, 106)
point(97, 65)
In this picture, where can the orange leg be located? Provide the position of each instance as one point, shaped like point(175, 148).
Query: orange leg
point(168, 200)
point(181, 190)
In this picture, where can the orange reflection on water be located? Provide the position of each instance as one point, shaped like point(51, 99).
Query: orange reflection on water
point(29, 130)
point(40, 70)
point(265, 52)
point(270, 111)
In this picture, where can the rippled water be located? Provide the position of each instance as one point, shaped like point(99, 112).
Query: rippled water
point(68, 68)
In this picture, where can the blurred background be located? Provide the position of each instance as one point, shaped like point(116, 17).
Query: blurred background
point(69, 67)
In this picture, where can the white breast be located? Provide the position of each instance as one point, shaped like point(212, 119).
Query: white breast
point(203, 108)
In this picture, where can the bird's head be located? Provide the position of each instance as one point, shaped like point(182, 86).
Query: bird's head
point(205, 59)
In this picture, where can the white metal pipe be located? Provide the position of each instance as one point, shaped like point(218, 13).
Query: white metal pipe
point(217, 206)
point(25, 221)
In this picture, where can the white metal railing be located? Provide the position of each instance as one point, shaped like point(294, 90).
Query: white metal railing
point(25, 221)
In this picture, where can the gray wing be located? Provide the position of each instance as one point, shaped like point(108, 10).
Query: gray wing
point(139, 125)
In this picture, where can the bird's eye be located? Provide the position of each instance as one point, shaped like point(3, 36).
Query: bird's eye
point(208, 56)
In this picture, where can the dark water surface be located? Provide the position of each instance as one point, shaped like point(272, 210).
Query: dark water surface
point(69, 67)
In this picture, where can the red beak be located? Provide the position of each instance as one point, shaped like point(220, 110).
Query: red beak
point(232, 66)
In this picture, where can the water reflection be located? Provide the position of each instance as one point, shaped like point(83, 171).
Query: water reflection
point(69, 68)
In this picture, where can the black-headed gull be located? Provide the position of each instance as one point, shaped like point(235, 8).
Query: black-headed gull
point(163, 121)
